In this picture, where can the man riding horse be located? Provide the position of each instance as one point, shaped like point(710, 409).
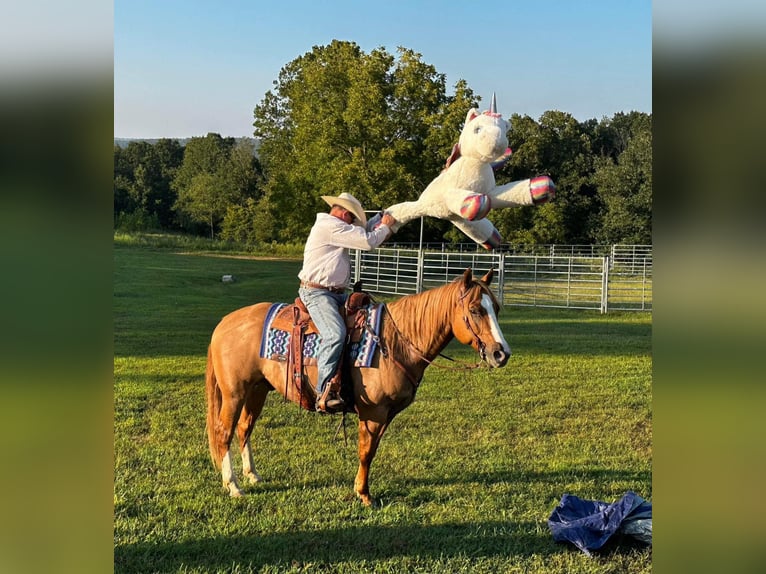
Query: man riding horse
point(324, 279)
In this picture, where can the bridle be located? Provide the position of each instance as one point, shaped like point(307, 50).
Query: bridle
point(480, 345)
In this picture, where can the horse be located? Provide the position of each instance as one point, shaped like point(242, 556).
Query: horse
point(414, 330)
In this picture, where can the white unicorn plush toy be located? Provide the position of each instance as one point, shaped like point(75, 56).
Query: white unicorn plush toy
point(465, 191)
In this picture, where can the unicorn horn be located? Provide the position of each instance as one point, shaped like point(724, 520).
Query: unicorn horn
point(493, 105)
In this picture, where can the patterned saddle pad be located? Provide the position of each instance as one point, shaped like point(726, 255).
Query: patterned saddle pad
point(275, 340)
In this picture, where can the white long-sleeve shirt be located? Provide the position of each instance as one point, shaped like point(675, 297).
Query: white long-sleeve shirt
point(325, 258)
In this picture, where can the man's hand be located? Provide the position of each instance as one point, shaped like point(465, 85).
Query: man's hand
point(387, 219)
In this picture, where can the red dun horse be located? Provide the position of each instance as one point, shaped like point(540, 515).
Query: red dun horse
point(414, 330)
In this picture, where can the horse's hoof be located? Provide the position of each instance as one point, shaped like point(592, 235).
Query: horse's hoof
point(367, 500)
point(253, 478)
point(234, 490)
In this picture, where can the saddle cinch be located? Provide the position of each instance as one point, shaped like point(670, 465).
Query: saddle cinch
point(295, 319)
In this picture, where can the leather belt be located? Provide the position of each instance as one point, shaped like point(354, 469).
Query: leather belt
point(312, 285)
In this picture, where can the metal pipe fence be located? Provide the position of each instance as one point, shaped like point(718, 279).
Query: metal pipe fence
point(618, 280)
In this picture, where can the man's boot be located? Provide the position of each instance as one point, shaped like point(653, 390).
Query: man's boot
point(330, 401)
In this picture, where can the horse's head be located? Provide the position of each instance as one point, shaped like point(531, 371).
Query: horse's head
point(475, 321)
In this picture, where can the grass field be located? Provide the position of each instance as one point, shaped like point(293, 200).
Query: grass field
point(466, 477)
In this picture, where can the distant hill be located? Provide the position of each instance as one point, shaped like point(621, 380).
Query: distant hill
point(123, 142)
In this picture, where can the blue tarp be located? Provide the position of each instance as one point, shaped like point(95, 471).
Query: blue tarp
point(588, 524)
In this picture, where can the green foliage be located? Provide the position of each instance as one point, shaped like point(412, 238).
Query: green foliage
point(138, 220)
point(216, 173)
point(250, 224)
point(625, 187)
point(466, 476)
point(143, 174)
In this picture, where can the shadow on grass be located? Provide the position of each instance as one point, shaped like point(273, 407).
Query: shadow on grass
point(355, 543)
point(362, 544)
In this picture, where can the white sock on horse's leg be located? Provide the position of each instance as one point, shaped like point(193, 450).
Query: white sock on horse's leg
point(248, 468)
point(227, 474)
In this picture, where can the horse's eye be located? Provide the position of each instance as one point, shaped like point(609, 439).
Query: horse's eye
point(476, 311)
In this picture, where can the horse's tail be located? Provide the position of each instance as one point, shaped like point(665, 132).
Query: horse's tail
point(213, 407)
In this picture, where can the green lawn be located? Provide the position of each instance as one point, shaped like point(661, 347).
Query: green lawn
point(466, 477)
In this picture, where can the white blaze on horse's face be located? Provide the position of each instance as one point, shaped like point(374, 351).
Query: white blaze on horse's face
point(497, 334)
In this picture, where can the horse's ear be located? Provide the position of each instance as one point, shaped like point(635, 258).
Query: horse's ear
point(487, 279)
point(467, 278)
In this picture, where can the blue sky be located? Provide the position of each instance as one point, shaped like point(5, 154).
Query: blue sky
point(186, 68)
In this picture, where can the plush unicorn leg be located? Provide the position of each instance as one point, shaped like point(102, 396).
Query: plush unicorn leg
point(525, 192)
point(402, 212)
point(461, 202)
point(481, 231)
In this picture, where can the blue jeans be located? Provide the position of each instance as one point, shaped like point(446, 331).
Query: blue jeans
point(323, 308)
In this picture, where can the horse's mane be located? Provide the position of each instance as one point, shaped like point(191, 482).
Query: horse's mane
point(424, 318)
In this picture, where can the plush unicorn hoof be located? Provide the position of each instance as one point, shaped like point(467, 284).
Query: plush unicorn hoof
point(493, 241)
point(542, 189)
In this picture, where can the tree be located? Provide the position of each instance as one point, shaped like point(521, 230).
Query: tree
point(248, 223)
point(611, 136)
point(204, 186)
point(625, 187)
point(169, 154)
point(342, 120)
point(143, 173)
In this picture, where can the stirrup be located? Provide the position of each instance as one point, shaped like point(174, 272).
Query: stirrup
point(329, 402)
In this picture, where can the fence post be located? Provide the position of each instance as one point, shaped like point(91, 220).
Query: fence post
point(419, 273)
point(501, 277)
point(605, 285)
point(357, 265)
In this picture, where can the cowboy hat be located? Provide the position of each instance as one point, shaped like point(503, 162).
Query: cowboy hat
point(349, 202)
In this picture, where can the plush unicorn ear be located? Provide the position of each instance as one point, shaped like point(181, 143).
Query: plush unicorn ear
point(487, 279)
point(472, 113)
point(453, 156)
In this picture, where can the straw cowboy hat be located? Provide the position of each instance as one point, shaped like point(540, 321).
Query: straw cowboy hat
point(349, 202)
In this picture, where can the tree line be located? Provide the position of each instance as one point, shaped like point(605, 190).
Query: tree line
point(380, 126)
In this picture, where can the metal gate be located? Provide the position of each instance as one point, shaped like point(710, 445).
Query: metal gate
point(606, 283)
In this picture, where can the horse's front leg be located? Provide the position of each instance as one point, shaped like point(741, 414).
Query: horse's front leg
point(370, 433)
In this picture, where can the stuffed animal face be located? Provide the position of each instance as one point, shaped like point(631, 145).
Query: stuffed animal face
point(484, 136)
